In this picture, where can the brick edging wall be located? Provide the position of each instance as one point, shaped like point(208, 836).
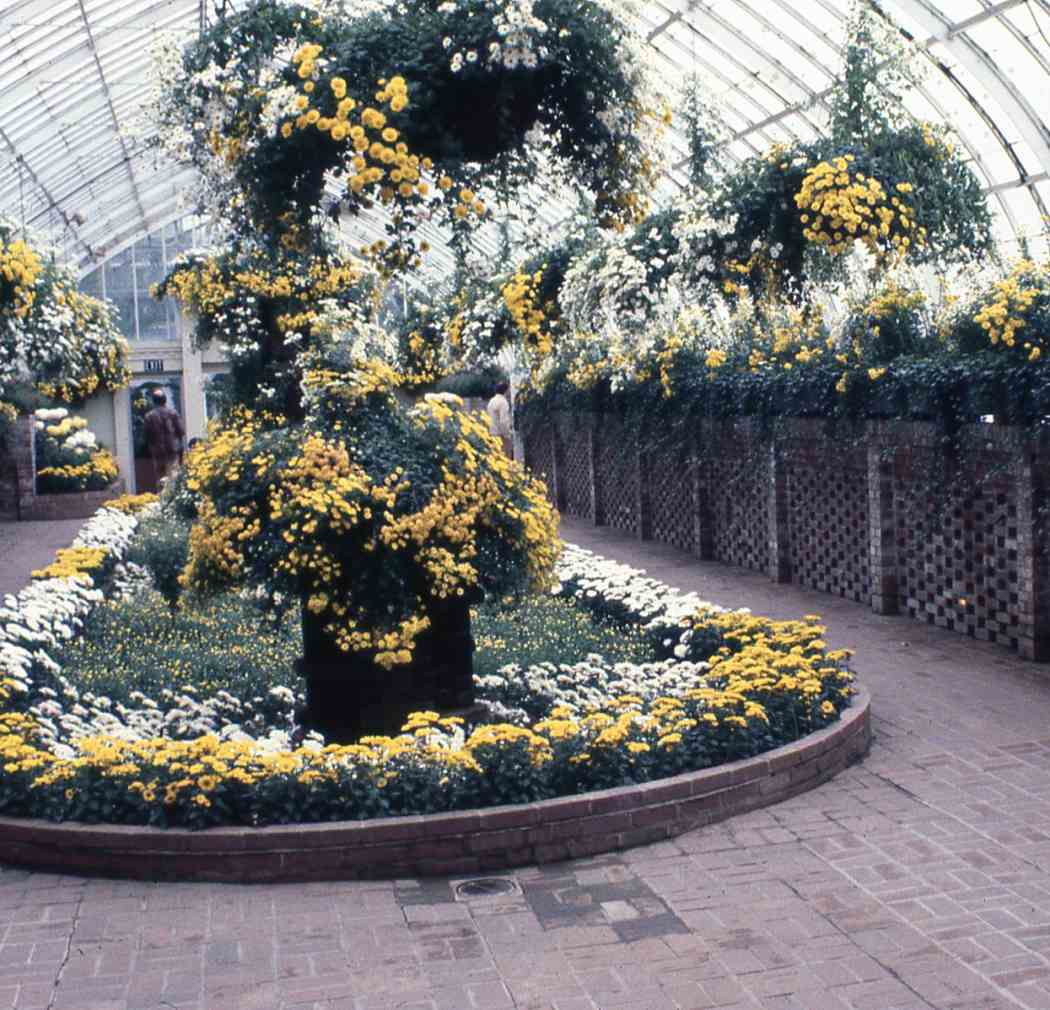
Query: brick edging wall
point(460, 843)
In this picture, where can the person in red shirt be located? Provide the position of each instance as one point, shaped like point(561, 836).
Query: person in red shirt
point(164, 435)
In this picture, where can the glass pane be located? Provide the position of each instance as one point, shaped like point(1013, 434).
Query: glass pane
point(120, 289)
point(149, 270)
point(91, 284)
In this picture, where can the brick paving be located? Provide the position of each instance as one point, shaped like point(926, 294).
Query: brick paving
point(917, 880)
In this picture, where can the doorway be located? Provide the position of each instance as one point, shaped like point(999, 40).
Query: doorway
point(141, 404)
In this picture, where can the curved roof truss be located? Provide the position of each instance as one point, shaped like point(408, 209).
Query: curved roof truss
point(73, 72)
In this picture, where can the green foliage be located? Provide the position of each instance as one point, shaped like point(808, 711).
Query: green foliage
point(703, 130)
point(161, 545)
point(225, 643)
point(178, 501)
point(948, 389)
point(549, 629)
point(879, 67)
point(220, 644)
point(478, 383)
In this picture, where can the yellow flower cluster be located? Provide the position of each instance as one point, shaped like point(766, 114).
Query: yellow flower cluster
point(201, 288)
point(73, 563)
point(67, 426)
point(665, 356)
point(467, 201)
point(893, 299)
point(367, 378)
point(323, 494)
point(1005, 312)
point(100, 468)
point(944, 148)
point(796, 338)
point(20, 267)
point(715, 358)
point(132, 504)
point(423, 363)
point(205, 287)
point(589, 360)
point(380, 158)
point(850, 206)
point(521, 296)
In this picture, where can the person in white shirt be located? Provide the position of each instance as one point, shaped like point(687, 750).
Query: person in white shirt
point(498, 410)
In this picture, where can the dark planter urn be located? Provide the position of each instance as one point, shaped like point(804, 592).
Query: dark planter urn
point(348, 696)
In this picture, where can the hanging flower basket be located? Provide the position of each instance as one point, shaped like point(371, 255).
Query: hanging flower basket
point(276, 100)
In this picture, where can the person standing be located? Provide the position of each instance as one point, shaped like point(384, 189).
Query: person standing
point(498, 410)
point(164, 435)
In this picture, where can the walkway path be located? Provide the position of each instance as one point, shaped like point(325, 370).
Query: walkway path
point(918, 879)
point(29, 545)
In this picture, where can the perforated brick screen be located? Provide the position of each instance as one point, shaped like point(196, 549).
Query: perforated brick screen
point(577, 473)
point(738, 470)
point(957, 547)
point(618, 465)
point(828, 534)
point(539, 456)
point(672, 499)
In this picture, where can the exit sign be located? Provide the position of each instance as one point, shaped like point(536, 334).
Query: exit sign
point(153, 365)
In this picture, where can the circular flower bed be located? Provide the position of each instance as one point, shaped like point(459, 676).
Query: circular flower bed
point(723, 685)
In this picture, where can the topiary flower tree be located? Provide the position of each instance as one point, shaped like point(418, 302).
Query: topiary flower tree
point(387, 521)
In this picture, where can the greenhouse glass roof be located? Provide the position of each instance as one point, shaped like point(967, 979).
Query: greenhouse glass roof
point(73, 73)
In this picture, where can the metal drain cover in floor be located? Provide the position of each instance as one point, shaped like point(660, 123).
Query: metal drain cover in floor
point(484, 887)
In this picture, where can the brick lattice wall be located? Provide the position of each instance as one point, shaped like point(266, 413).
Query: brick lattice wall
point(828, 517)
point(539, 451)
point(879, 515)
point(958, 560)
point(738, 477)
point(577, 485)
point(617, 462)
point(673, 481)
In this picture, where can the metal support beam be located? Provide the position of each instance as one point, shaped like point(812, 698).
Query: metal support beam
point(52, 204)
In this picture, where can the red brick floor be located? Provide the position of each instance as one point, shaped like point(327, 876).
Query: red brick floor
point(918, 879)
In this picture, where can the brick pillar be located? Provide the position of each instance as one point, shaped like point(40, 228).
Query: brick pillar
point(882, 532)
point(1033, 591)
point(779, 527)
point(594, 472)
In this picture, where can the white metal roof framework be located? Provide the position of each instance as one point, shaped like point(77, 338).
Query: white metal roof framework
point(72, 71)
